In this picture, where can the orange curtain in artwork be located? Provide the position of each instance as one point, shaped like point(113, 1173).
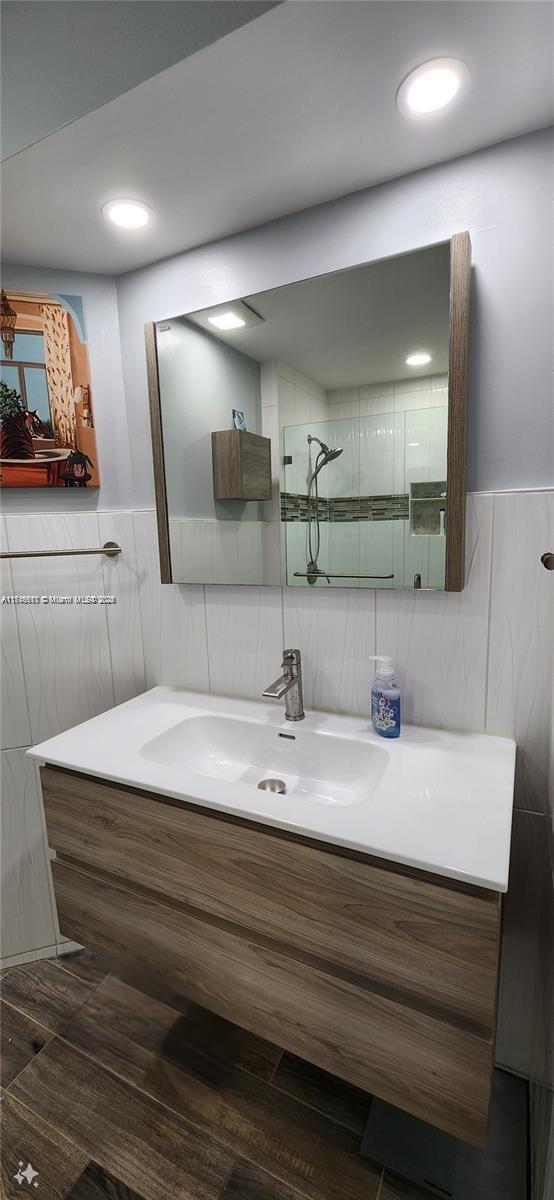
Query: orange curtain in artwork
point(58, 371)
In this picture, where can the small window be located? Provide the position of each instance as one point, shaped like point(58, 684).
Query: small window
point(26, 372)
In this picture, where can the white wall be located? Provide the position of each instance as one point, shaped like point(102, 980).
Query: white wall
point(201, 380)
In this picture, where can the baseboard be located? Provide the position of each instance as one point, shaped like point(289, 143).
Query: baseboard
point(56, 951)
point(15, 960)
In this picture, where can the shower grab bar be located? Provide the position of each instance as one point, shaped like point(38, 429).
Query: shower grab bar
point(329, 575)
point(110, 549)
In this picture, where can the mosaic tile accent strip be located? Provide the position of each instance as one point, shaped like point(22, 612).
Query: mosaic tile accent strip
point(294, 507)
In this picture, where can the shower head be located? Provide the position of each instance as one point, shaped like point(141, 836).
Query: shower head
point(328, 455)
point(332, 454)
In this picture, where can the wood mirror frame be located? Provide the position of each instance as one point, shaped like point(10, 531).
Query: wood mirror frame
point(458, 374)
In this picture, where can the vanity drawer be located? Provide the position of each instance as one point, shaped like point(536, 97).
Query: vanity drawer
point(431, 1068)
point(433, 945)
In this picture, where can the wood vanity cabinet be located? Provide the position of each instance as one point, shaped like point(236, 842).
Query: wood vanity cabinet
point(383, 975)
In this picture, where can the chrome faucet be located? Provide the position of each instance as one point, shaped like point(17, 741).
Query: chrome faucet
point(289, 685)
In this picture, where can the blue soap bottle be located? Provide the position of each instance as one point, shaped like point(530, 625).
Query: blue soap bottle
point(385, 698)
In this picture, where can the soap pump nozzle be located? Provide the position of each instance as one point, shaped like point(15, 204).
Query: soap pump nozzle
point(386, 671)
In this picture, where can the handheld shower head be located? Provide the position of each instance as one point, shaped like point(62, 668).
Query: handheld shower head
point(328, 455)
point(324, 455)
point(332, 454)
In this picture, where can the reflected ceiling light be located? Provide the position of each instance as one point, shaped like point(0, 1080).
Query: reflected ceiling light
point(127, 214)
point(432, 86)
point(418, 360)
point(227, 320)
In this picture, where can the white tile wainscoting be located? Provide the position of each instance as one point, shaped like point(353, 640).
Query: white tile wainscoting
point(480, 659)
point(60, 665)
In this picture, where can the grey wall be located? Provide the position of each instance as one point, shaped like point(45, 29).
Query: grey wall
point(110, 416)
point(201, 381)
point(502, 195)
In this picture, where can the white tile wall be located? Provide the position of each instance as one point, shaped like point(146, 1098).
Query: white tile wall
point(439, 640)
point(75, 661)
point(65, 648)
point(335, 631)
point(300, 399)
point(173, 618)
point(16, 730)
point(121, 578)
point(27, 905)
point(245, 638)
point(391, 435)
point(205, 550)
point(522, 636)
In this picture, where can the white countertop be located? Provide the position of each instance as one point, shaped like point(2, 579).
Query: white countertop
point(431, 799)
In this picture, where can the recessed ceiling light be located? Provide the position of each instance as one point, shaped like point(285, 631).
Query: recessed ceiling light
point(432, 86)
point(227, 320)
point(418, 360)
point(127, 214)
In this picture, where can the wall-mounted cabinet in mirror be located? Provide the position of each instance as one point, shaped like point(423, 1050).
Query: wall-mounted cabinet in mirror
point(314, 435)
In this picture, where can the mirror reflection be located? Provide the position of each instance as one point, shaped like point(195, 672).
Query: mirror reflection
point(305, 430)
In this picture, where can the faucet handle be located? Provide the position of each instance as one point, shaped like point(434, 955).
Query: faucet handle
point(291, 658)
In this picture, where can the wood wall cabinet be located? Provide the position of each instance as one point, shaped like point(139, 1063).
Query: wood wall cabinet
point(382, 975)
point(241, 464)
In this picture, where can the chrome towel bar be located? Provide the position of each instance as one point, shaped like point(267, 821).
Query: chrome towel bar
point(110, 549)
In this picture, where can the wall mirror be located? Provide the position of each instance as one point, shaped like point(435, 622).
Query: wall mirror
point(314, 435)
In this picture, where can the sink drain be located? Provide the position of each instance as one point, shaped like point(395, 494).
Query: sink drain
point(273, 785)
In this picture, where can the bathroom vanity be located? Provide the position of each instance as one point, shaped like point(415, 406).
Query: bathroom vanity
point(354, 920)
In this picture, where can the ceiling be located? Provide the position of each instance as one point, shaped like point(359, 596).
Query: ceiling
point(60, 61)
point(353, 327)
point(292, 109)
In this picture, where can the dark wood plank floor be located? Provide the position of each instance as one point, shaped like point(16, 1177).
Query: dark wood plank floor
point(109, 1093)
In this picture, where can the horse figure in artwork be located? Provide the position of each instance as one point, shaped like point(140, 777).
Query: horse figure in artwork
point(17, 432)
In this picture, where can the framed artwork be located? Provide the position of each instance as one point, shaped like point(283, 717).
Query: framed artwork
point(239, 421)
point(47, 436)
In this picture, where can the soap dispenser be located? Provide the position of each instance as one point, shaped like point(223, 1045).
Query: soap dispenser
point(385, 698)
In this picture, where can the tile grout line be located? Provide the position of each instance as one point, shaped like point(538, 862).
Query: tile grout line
point(489, 612)
point(62, 1136)
point(59, 962)
point(35, 1056)
point(105, 607)
point(208, 668)
point(29, 1017)
point(275, 1069)
point(232, 1169)
point(140, 593)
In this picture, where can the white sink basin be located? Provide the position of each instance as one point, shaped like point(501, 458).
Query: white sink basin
point(431, 799)
point(323, 769)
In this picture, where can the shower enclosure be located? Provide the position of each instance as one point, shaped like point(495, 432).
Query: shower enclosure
point(365, 506)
